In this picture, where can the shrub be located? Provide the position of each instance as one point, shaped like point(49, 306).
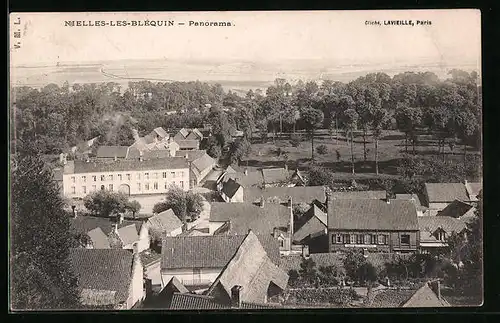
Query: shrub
point(320, 176)
point(295, 141)
point(322, 149)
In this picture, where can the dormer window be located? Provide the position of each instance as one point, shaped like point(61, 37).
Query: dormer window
point(440, 235)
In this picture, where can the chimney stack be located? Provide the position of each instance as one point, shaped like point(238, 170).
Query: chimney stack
point(135, 134)
point(236, 296)
point(115, 228)
point(465, 182)
point(286, 167)
point(305, 251)
point(246, 171)
point(262, 202)
point(141, 156)
point(73, 207)
point(120, 218)
point(115, 158)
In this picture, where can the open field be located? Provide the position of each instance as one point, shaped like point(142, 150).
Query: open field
point(391, 147)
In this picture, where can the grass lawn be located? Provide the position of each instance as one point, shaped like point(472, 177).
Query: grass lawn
point(391, 147)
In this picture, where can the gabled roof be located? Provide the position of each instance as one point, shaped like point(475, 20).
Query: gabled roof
point(275, 175)
point(446, 192)
point(253, 178)
point(409, 197)
point(250, 268)
point(130, 165)
point(134, 153)
point(455, 209)
point(98, 297)
point(112, 151)
point(98, 238)
point(103, 270)
point(184, 132)
point(204, 162)
point(84, 224)
point(367, 214)
point(355, 195)
point(425, 297)
point(193, 144)
point(191, 155)
point(165, 221)
point(203, 302)
point(128, 234)
point(160, 132)
point(230, 187)
point(473, 189)
point(176, 285)
point(299, 194)
point(195, 134)
point(245, 216)
point(316, 222)
point(430, 224)
point(208, 251)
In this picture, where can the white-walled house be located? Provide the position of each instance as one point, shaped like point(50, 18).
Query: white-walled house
point(132, 177)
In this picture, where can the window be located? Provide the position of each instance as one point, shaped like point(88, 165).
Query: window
point(110, 177)
point(103, 188)
point(405, 239)
point(94, 188)
point(382, 239)
point(72, 179)
point(103, 178)
point(282, 243)
point(146, 186)
point(155, 175)
point(338, 238)
point(138, 186)
point(84, 189)
point(166, 185)
point(353, 239)
point(138, 176)
point(368, 239)
point(73, 190)
point(119, 177)
point(360, 239)
point(182, 184)
point(84, 179)
point(172, 174)
point(346, 238)
point(128, 177)
point(94, 178)
point(164, 174)
point(441, 235)
point(110, 187)
point(374, 239)
point(155, 186)
point(146, 175)
point(181, 174)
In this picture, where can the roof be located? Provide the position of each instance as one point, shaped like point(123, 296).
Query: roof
point(128, 234)
point(97, 297)
point(197, 132)
point(149, 256)
point(275, 175)
point(409, 197)
point(84, 224)
point(473, 188)
point(160, 132)
point(455, 209)
point(208, 251)
point(184, 132)
point(316, 223)
point(299, 194)
point(425, 297)
point(355, 195)
point(429, 224)
point(130, 165)
point(98, 238)
point(230, 187)
point(165, 221)
point(103, 269)
point(177, 285)
point(58, 174)
point(190, 154)
point(112, 151)
point(148, 154)
point(367, 214)
point(194, 144)
point(245, 216)
point(250, 268)
point(204, 162)
point(184, 301)
point(253, 178)
point(446, 192)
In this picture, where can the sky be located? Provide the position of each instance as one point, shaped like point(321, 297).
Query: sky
point(338, 37)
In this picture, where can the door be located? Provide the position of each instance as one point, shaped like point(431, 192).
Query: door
point(124, 188)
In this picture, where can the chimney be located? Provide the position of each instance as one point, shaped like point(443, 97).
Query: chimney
point(262, 202)
point(135, 134)
point(465, 182)
point(73, 207)
point(115, 228)
point(436, 287)
point(275, 233)
point(305, 251)
point(141, 156)
point(120, 218)
point(388, 201)
point(246, 171)
point(236, 296)
point(63, 158)
point(286, 167)
point(115, 158)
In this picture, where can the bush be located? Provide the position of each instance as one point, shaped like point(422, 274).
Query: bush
point(320, 176)
point(105, 203)
point(295, 141)
point(322, 149)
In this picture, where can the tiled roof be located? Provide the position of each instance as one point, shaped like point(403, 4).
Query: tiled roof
point(160, 132)
point(128, 234)
point(250, 268)
point(409, 197)
point(253, 178)
point(134, 153)
point(184, 132)
point(197, 133)
point(446, 192)
point(316, 223)
point(246, 216)
point(165, 221)
point(356, 195)
point(103, 269)
point(130, 165)
point(84, 224)
point(112, 151)
point(455, 209)
point(230, 187)
point(299, 194)
point(275, 175)
point(185, 301)
point(193, 144)
point(367, 214)
point(473, 188)
point(204, 162)
point(208, 251)
point(190, 154)
point(429, 224)
point(391, 298)
point(177, 285)
point(149, 256)
point(425, 297)
point(98, 297)
point(98, 238)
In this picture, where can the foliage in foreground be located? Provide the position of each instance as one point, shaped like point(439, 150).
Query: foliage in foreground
point(186, 205)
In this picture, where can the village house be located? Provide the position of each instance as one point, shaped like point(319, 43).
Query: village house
point(435, 230)
point(201, 164)
point(421, 210)
point(197, 261)
point(188, 139)
point(188, 144)
point(263, 178)
point(313, 226)
point(84, 148)
point(108, 278)
point(165, 223)
point(111, 153)
point(459, 210)
point(440, 195)
point(373, 225)
point(158, 139)
point(262, 218)
point(117, 233)
point(131, 177)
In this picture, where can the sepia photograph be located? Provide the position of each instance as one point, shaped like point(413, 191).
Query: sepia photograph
point(266, 160)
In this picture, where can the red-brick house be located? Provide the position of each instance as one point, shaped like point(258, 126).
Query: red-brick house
point(374, 225)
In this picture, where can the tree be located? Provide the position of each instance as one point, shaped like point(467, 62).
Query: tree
point(213, 148)
point(134, 207)
point(352, 262)
point(185, 205)
point(408, 118)
point(105, 203)
point(322, 149)
point(40, 241)
point(308, 270)
point(319, 176)
point(351, 120)
point(238, 149)
point(312, 119)
point(379, 118)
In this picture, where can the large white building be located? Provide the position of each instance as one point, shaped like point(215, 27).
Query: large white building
point(132, 177)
